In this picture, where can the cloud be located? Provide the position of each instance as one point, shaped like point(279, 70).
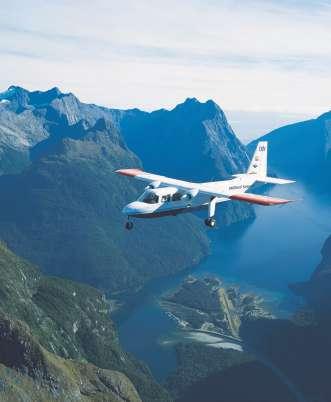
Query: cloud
point(247, 55)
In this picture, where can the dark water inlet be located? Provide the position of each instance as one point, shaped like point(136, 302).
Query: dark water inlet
point(282, 245)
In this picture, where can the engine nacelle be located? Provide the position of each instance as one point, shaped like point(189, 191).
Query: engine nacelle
point(154, 184)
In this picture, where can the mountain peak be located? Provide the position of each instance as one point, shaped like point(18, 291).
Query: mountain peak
point(16, 88)
point(197, 102)
point(202, 110)
point(43, 97)
point(191, 101)
point(326, 115)
point(15, 94)
point(23, 99)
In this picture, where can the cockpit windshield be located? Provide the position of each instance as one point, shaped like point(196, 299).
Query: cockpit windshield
point(150, 198)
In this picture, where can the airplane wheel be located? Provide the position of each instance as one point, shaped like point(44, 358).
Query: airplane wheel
point(211, 222)
point(129, 225)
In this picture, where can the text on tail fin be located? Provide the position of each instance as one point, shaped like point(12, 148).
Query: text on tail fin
point(258, 163)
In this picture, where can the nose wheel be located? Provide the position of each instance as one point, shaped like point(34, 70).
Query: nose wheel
point(129, 225)
point(210, 222)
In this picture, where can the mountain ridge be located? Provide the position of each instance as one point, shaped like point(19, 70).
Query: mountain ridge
point(58, 336)
point(61, 204)
point(302, 151)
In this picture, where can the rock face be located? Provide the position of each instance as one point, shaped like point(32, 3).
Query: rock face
point(56, 337)
point(317, 291)
point(301, 347)
point(28, 118)
point(210, 374)
point(62, 210)
point(193, 142)
point(302, 151)
point(205, 304)
point(28, 370)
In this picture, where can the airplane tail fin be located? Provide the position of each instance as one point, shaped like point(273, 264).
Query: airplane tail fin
point(258, 165)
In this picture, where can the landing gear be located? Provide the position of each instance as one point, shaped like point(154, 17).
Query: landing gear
point(211, 222)
point(129, 225)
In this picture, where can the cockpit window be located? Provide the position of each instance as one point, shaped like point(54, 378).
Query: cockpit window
point(151, 198)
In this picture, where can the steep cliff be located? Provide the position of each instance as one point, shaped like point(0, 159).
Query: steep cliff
point(57, 341)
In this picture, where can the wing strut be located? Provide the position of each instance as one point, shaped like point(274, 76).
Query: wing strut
point(211, 221)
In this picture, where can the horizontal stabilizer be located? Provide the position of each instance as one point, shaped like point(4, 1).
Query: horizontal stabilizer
point(259, 199)
point(274, 180)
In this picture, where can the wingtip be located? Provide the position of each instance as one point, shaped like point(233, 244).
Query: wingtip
point(128, 172)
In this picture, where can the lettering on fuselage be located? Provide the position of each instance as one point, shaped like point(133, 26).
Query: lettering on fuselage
point(238, 187)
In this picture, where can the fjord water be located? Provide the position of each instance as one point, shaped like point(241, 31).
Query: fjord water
point(281, 246)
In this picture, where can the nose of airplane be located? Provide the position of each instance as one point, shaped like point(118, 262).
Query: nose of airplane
point(132, 208)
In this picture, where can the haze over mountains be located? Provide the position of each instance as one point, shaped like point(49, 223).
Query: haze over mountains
point(302, 151)
point(250, 124)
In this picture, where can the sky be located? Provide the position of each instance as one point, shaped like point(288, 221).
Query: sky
point(254, 58)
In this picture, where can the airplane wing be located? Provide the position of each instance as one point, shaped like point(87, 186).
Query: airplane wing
point(206, 188)
point(274, 180)
point(149, 177)
point(259, 199)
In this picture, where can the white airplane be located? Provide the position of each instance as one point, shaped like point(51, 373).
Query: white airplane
point(165, 196)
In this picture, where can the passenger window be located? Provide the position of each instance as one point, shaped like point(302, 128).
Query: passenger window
point(177, 196)
point(165, 198)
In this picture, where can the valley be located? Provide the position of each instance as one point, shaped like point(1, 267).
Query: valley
point(60, 209)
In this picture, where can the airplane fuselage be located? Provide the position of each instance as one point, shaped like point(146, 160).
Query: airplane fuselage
point(166, 203)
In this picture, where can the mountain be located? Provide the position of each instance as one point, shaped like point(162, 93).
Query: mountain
point(62, 211)
point(300, 347)
point(194, 138)
point(317, 290)
point(302, 151)
point(57, 342)
point(60, 203)
point(27, 118)
point(212, 374)
point(193, 134)
point(193, 142)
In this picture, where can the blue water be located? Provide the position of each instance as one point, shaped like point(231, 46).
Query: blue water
point(282, 245)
